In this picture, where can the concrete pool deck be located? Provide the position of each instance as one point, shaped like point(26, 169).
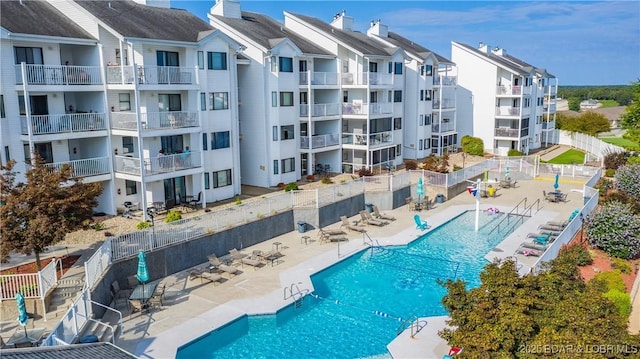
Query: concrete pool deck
point(194, 307)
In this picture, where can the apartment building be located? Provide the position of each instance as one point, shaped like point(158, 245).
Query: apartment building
point(149, 107)
point(511, 103)
point(429, 125)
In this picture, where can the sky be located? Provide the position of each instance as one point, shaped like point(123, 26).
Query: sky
point(579, 42)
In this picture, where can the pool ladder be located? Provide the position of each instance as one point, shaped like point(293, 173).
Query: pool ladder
point(414, 323)
point(293, 291)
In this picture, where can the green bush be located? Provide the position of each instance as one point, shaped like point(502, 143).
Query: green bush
point(621, 265)
point(613, 160)
point(173, 216)
point(143, 225)
point(472, 145)
point(410, 165)
point(326, 180)
point(610, 280)
point(626, 180)
point(238, 200)
point(577, 254)
point(615, 229)
point(98, 226)
point(621, 300)
point(514, 153)
point(610, 172)
point(291, 187)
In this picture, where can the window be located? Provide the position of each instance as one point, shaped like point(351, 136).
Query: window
point(428, 70)
point(286, 98)
point(218, 100)
point(426, 144)
point(274, 99)
point(201, 60)
point(130, 187)
point(167, 58)
point(125, 101)
point(397, 123)
point(286, 132)
point(275, 167)
point(421, 123)
point(427, 119)
point(127, 144)
point(420, 144)
point(203, 101)
point(398, 150)
point(286, 64)
point(204, 141)
point(421, 95)
point(21, 107)
point(373, 97)
point(207, 185)
point(398, 68)
point(373, 67)
point(7, 154)
point(119, 58)
point(221, 178)
point(397, 96)
point(304, 99)
point(302, 66)
point(30, 55)
point(274, 64)
point(217, 60)
point(288, 165)
point(275, 133)
point(2, 112)
point(428, 93)
point(345, 96)
point(220, 140)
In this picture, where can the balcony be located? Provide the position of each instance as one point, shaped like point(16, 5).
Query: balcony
point(152, 121)
point(507, 111)
point(506, 132)
point(443, 127)
point(63, 123)
point(150, 75)
point(320, 110)
point(86, 167)
point(59, 75)
point(444, 104)
point(319, 78)
point(548, 125)
point(509, 90)
point(374, 139)
point(367, 78)
point(359, 108)
point(158, 165)
point(319, 141)
point(445, 80)
point(120, 75)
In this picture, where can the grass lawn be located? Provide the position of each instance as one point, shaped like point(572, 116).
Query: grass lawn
point(609, 103)
point(569, 157)
point(619, 141)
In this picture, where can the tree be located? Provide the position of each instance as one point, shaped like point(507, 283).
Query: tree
point(40, 212)
point(574, 103)
point(472, 145)
point(589, 122)
point(630, 119)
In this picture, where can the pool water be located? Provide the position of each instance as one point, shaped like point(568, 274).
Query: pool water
point(358, 305)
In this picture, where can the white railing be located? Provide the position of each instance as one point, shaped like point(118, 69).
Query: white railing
point(320, 141)
point(304, 198)
point(165, 75)
point(358, 108)
point(72, 322)
point(508, 90)
point(59, 75)
point(443, 127)
point(319, 78)
point(86, 167)
point(27, 284)
point(587, 143)
point(366, 78)
point(507, 111)
point(172, 163)
point(63, 123)
point(444, 104)
point(445, 80)
point(124, 121)
point(48, 278)
point(169, 120)
point(380, 183)
point(506, 132)
point(97, 264)
point(125, 164)
point(380, 138)
point(320, 109)
point(120, 75)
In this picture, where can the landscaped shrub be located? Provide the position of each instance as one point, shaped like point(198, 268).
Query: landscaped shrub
point(143, 225)
point(613, 160)
point(291, 187)
point(621, 300)
point(326, 180)
point(472, 145)
point(410, 165)
point(173, 216)
point(621, 265)
point(627, 180)
point(577, 253)
point(610, 280)
point(364, 172)
point(610, 172)
point(615, 229)
point(514, 153)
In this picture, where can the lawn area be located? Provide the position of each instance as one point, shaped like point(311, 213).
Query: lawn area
point(619, 141)
point(609, 103)
point(569, 157)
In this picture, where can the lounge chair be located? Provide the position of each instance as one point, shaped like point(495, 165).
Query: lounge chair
point(216, 264)
point(420, 224)
point(543, 239)
point(334, 238)
point(550, 196)
point(549, 227)
point(236, 255)
point(199, 273)
point(330, 232)
point(552, 235)
point(351, 227)
point(377, 214)
point(366, 218)
point(528, 252)
point(252, 260)
point(531, 245)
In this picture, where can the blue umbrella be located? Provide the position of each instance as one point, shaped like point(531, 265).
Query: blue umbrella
point(143, 272)
point(506, 170)
point(555, 184)
point(23, 317)
point(420, 188)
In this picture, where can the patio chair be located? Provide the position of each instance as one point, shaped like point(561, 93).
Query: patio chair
point(119, 293)
point(199, 273)
point(330, 232)
point(252, 260)
point(420, 224)
point(236, 255)
point(136, 306)
point(195, 202)
point(531, 245)
point(157, 299)
point(133, 281)
point(411, 205)
point(216, 264)
point(528, 252)
point(376, 213)
point(351, 227)
point(549, 196)
point(370, 220)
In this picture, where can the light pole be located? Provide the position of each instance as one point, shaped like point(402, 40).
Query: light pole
point(581, 228)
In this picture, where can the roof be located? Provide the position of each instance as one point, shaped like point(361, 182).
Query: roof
point(356, 40)
point(268, 33)
point(507, 61)
point(75, 351)
point(414, 48)
point(131, 19)
point(38, 18)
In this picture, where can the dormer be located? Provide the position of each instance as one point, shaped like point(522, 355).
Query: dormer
point(377, 28)
point(342, 21)
point(227, 8)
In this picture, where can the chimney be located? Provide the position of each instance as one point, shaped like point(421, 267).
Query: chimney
point(484, 48)
point(342, 21)
point(377, 28)
point(499, 51)
point(227, 8)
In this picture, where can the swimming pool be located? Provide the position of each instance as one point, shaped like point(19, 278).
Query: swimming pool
point(358, 304)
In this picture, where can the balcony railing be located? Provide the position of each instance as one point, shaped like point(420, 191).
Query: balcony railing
point(548, 125)
point(445, 80)
point(320, 109)
point(154, 120)
point(165, 75)
point(506, 132)
point(319, 78)
point(86, 167)
point(509, 90)
point(366, 78)
point(507, 111)
point(157, 165)
point(319, 141)
point(444, 104)
point(360, 139)
point(59, 75)
point(358, 108)
point(63, 123)
point(443, 127)
point(122, 75)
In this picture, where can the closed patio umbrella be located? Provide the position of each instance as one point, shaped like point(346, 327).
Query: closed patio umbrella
point(143, 272)
point(23, 317)
point(507, 172)
point(420, 188)
point(556, 184)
